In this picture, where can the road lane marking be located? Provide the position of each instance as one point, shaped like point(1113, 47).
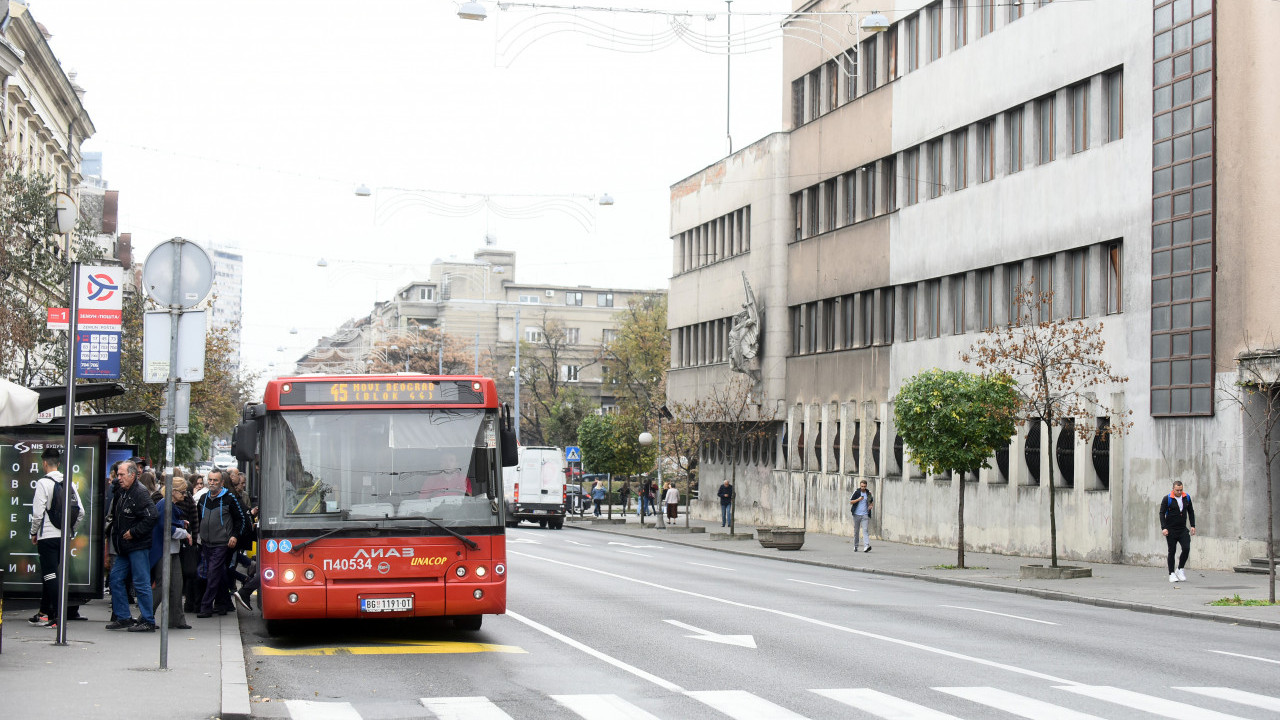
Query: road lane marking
point(716, 567)
point(1266, 702)
point(813, 621)
point(630, 552)
point(595, 653)
point(313, 710)
point(615, 542)
point(884, 706)
point(602, 707)
point(833, 587)
point(1148, 703)
point(407, 648)
point(742, 705)
point(1016, 704)
point(745, 641)
point(992, 612)
point(575, 542)
point(464, 708)
point(1247, 657)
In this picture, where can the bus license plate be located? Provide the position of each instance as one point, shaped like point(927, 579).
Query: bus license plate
point(396, 604)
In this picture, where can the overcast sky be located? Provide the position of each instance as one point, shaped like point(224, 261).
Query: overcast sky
point(248, 125)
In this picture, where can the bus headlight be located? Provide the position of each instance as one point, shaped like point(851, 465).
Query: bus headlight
point(309, 574)
point(289, 576)
point(293, 597)
point(481, 572)
point(477, 594)
point(461, 571)
point(500, 569)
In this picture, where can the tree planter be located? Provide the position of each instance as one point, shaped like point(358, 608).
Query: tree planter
point(788, 538)
point(1047, 572)
point(765, 536)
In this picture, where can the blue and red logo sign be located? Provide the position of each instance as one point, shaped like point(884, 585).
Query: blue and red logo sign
point(101, 287)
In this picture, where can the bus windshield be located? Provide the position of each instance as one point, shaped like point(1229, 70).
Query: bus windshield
point(337, 467)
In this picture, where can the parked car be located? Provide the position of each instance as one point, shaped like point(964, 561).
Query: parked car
point(223, 461)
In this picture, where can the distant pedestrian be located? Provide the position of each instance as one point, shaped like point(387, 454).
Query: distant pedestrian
point(725, 493)
point(673, 501)
point(597, 496)
point(861, 504)
point(47, 522)
point(625, 494)
point(133, 516)
point(646, 498)
point(1177, 524)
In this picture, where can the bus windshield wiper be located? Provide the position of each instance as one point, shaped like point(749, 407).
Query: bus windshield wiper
point(469, 542)
point(346, 515)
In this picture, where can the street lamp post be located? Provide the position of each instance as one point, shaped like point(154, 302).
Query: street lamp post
point(646, 439)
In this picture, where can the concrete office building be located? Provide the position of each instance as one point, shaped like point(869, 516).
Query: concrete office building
point(226, 307)
point(1117, 152)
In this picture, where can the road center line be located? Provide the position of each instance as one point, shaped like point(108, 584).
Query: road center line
point(833, 587)
point(595, 653)
point(814, 621)
point(633, 552)
point(716, 567)
point(1247, 657)
point(992, 612)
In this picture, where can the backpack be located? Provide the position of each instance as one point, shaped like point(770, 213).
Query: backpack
point(55, 507)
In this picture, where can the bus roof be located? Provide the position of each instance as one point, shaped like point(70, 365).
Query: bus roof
point(399, 390)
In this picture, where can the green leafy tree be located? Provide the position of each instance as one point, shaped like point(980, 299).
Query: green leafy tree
point(549, 399)
point(611, 444)
point(1057, 367)
point(639, 355)
point(953, 421)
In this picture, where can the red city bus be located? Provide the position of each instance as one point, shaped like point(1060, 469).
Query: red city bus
point(380, 496)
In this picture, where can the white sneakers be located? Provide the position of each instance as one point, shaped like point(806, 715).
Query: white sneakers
point(1181, 575)
point(1173, 577)
point(1177, 576)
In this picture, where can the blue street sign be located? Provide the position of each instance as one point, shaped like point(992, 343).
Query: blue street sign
point(97, 354)
point(573, 454)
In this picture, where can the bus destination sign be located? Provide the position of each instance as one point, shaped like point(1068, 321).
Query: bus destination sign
point(379, 392)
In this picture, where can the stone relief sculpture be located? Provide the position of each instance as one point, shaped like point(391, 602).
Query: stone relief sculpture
point(744, 336)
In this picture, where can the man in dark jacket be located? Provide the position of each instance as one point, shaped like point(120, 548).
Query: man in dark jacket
point(133, 516)
point(1177, 524)
point(725, 493)
point(222, 521)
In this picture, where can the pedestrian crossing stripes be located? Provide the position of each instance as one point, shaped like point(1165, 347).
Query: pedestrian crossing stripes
point(1174, 702)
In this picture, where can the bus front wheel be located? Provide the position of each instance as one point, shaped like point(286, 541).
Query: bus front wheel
point(470, 623)
point(277, 628)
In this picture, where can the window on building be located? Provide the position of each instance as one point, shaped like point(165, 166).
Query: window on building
point(868, 191)
point(911, 175)
point(831, 71)
point(1015, 128)
point(849, 320)
point(829, 205)
point(608, 335)
point(886, 316)
point(986, 17)
point(797, 102)
point(797, 328)
point(867, 318)
point(891, 52)
point(1013, 290)
point(604, 299)
point(850, 62)
point(1079, 283)
point(959, 24)
point(814, 93)
point(959, 159)
point(569, 373)
point(909, 312)
point(889, 174)
point(1015, 9)
point(1080, 117)
point(829, 323)
point(797, 212)
point(1044, 110)
point(573, 336)
point(573, 298)
point(426, 293)
point(534, 335)
point(811, 327)
point(933, 174)
point(850, 193)
point(933, 307)
point(911, 42)
point(1044, 289)
point(934, 14)
point(1113, 84)
point(867, 58)
point(530, 299)
point(986, 151)
point(957, 304)
point(986, 318)
point(1115, 278)
point(811, 211)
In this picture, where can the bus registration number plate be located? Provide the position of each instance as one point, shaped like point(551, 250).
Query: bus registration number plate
point(392, 604)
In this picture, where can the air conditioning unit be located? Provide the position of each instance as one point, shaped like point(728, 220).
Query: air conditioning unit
point(551, 293)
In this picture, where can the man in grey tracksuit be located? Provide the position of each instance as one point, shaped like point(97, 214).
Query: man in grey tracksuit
point(47, 538)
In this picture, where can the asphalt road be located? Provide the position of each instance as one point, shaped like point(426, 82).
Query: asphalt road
point(602, 626)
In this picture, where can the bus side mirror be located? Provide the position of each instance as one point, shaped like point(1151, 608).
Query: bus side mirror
point(244, 440)
point(510, 449)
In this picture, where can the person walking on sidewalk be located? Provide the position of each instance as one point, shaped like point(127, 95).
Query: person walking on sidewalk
point(222, 521)
point(725, 493)
point(673, 501)
point(1177, 524)
point(133, 516)
point(46, 534)
point(597, 496)
point(860, 504)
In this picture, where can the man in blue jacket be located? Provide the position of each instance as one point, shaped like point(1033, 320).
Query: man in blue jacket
point(1177, 524)
point(222, 521)
point(133, 515)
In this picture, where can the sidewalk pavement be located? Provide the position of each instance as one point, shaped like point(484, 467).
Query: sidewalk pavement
point(113, 674)
point(1128, 587)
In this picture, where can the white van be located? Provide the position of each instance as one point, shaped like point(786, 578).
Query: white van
point(534, 489)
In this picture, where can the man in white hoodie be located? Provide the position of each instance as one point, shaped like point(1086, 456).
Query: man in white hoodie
point(48, 538)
